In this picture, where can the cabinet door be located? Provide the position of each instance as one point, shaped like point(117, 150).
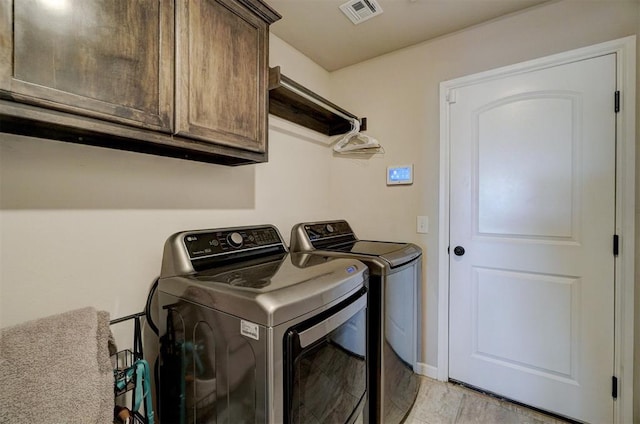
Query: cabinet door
point(222, 73)
point(109, 59)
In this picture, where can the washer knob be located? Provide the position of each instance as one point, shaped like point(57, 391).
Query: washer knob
point(329, 228)
point(235, 239)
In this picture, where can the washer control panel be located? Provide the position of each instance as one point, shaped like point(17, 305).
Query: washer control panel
point(329, 229)
point(202, 244)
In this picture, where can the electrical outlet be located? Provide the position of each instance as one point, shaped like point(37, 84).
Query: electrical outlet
point(422, 224)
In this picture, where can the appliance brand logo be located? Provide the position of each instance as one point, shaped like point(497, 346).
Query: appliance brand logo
point(249, 329)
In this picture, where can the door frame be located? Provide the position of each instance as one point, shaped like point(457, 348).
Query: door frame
point(625, 49)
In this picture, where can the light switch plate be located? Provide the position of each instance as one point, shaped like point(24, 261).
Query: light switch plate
point(422, 224)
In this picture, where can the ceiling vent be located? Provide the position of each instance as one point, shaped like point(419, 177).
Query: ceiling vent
point(359, 11)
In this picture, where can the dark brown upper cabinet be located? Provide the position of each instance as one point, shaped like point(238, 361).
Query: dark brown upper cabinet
point(223, 73)
point(183, 78)
point(105, 59)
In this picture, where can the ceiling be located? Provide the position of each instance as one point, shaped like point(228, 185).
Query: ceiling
point(320, 30)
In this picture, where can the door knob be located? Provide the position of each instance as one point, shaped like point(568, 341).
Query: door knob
point(458, 250)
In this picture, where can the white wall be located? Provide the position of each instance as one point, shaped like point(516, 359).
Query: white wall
point(399, 93)
point(85, 226)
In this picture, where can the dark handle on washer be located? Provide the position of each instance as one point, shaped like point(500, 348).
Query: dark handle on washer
point(458, 250)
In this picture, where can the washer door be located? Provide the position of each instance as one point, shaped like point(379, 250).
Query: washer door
point(325, 379)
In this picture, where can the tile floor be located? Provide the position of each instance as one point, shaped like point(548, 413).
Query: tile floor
point(440, 403)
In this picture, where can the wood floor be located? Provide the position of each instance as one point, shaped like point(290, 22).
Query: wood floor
point(440, 402)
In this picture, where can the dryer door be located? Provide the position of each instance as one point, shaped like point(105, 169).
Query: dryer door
point(325, 378)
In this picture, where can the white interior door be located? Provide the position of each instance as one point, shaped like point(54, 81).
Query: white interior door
point(532, 202)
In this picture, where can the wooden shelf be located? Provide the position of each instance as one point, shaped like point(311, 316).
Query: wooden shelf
point(296, 103)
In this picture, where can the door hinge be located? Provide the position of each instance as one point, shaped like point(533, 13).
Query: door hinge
point(616, 245)
point(616, 102)
point(614, 387)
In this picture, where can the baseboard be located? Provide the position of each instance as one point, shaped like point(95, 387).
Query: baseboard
point(426, 370)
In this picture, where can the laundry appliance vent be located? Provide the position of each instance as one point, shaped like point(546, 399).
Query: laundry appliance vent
point(359, 11)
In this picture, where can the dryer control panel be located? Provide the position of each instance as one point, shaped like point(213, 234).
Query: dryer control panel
point(193, 251)
point(201, 244)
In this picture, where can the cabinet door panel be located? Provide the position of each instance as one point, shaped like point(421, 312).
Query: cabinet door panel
point(110, 59)
point(222, 74)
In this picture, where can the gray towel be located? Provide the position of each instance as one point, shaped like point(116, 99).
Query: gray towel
point(57, 370)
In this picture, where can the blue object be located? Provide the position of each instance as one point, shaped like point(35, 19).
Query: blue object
point(143, 389)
